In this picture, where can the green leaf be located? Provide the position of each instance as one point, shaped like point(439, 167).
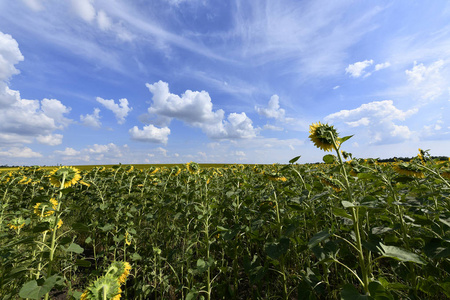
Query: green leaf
point(32, 290)
point(107, 227)
point(73, 247)
point(318, 237)
point(41, 227)
point(135, 257)
point(83, 263)
point(80, 227)
point(347, 204)
point(349, 292)
point(378, 292)
point(329, 159)
point(277, 249)
point(343, 139)
point(294, 159)
point(340, 212)
point(400, 254)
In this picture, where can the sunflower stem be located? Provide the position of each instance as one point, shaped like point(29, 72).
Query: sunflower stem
point(355, 219)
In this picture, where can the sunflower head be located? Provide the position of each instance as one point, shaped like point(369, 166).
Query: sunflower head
point(193, 167)
point(119, 270)
point(45, 209)
point(323, 136)
point(106, 285)
point(408, 170)
point(69, 175)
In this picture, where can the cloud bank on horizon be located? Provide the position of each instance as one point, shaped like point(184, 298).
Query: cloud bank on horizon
point(97, 81)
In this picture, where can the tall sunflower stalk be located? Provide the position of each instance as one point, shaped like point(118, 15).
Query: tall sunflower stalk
point(62, 177)
point(326, 137)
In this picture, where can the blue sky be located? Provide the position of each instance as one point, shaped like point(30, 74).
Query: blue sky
point(173, 81)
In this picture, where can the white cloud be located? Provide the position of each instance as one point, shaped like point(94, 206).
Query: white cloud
point(150, 134)
point(374, 121)
point(120, 110)
point(21, 120)
point(9, 56)
point(357, 69)
point(55, 109)
point(427, 80)
point(237, 126)
point(273, 109)
point(272, 127)
point(92, 120)
point(50, 139)
point(195, 109)
point(382, 66)
point(84, 9)
point(68, 152)
point(24, 152)
point(361, 122)
point(103, 21)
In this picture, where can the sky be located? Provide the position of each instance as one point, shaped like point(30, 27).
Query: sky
point(173, 81)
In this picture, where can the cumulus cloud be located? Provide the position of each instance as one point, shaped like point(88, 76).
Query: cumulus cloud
point(9, 56)
point(427, 80)
point(22, 120)
point(196, 109)
point(92, 120)
point(67, 152)
point(31, 118)
point(377, 121)
point(273, 109)
point(150, 133)
point(84, 9)
point(55, 109)
point(272, 127)
point(50, 139)
point(120, 110)
point(382, 66)
point(108, 153)
point(357, 69)
point(18, 152)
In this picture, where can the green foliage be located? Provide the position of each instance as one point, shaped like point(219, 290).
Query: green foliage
point(233, 232)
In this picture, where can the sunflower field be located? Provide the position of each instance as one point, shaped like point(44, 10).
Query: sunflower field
point(347, 228)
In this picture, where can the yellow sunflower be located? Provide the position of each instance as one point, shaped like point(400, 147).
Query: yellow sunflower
point(70, 175)
point(106, 285)
point(40, 208)
point(322, 136)
point(408, 170)
point(193, 167)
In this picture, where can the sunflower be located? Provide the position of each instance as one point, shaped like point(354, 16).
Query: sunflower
point(69, 175)
point(446, 174)
point(330, 181)
point(39, 208)
point(193, 167)
point(408, 170)
point(119, 270)
point(106, 285)
point(17, 223)
point(323, 136)
point(127, 238)
point(276, 178)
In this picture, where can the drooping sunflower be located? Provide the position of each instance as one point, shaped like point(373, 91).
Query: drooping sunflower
point(408, 170)
point(120, 270)
point(41, 209)
point(333, 183)
point(70, 175)
point(193, 167)
point(106, 285)
point(322, 136)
